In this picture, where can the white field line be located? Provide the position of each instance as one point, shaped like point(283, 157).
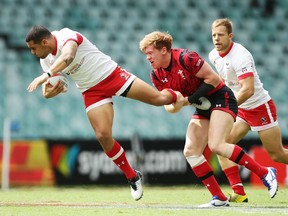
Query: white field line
point(245, 208)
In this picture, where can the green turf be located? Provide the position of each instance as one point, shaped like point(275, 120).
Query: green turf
point(157, 201)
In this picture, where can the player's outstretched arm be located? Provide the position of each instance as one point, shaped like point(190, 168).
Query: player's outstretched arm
point(38, 81)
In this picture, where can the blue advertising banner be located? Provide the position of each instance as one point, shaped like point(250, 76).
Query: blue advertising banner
point(78, 162)
point(84, 162)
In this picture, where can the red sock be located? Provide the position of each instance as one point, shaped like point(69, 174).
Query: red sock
point(117, 155)
point(243, 159)
point(205, 174)
point(233, 176)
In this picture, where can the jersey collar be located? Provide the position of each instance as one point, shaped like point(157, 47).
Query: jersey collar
point(224, 54)
point(56, 47)
point(170, 64)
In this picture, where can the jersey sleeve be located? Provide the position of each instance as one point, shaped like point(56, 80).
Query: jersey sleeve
point(66, 35)
point(191, 61)
point(244, 65)
point(77, 37)
point(211, 57)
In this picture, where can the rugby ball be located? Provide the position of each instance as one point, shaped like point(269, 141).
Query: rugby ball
point(205, 104)
point(59, 76)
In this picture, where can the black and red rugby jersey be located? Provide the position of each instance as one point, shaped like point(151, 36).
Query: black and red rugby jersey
point(181, 73)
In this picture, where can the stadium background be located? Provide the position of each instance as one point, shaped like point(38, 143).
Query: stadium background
point(116, 27)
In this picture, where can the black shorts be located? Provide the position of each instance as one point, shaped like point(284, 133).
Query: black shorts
point(224, 99)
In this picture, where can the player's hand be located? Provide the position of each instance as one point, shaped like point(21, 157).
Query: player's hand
point(37, 81)
point(180, 100)
point(177, 106)
point(50, 91)
point(203, 103)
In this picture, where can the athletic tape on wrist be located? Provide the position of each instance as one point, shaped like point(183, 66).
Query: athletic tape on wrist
point(174, 95)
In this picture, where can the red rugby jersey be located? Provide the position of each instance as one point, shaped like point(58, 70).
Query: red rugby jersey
point(181, 73)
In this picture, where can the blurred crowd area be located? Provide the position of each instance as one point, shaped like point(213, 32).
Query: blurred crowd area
point(116, 27)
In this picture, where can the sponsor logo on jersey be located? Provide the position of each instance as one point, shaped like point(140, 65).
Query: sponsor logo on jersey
point(180, 72)
point(76, 67)
point(244, 69)
point(227, 65)
point(164, 80)
point(198, 62)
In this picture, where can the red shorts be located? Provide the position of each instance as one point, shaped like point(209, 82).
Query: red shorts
point(260, 118)
point(115, 84)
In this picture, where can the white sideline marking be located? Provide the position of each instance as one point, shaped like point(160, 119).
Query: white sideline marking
point(113, 205)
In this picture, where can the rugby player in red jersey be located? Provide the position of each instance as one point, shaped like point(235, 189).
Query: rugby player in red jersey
point(185, 71)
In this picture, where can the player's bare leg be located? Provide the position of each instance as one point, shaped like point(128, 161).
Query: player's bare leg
point(220, 126)
point(101, 119)
point(231, 169)
point(272, 142)
point(196, 141)
point(144, 92)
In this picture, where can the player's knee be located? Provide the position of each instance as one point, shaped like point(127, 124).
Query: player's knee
point(188, 152)
point(103, 136)
point(278, 157)
point(185, 152)
point(215, 147)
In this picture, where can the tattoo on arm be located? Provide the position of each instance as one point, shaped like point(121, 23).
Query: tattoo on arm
point(66, 62)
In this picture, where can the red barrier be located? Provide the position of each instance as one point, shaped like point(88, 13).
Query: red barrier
point(29, 163)
point(262, 157)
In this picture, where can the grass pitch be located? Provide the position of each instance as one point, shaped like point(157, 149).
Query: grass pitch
point(157, 201)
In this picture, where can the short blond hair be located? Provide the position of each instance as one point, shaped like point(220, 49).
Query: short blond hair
point(223, 22)
point(158, 39)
